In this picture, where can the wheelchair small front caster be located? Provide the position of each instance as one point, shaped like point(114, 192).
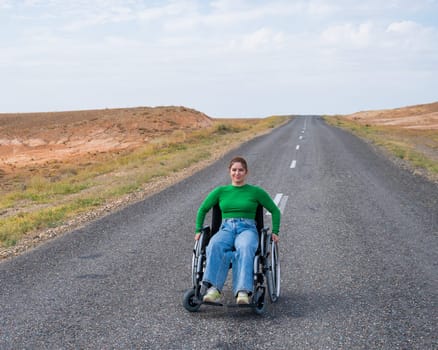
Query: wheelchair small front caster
point(190, 300)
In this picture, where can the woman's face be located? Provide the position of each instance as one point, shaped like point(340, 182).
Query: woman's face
point(238, 174)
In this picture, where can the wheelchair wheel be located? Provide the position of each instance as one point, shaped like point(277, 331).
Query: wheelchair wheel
point(273, 274)
point(195, 263)
point(259, 301)
point(190, 302)
point(198, 260)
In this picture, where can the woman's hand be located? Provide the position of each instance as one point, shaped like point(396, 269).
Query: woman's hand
point(275, 238)
point(197, 235)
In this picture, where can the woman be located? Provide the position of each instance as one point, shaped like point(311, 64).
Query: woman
point(238, 203)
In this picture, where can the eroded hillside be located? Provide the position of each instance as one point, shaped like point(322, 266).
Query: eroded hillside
point(31, 139)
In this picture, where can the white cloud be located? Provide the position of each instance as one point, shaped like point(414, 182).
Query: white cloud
point(349, 35)
point(5, 4)
point(412, 36)
point(403, 27)
point(322, 8)
point(98, 18)
point(261, 39)
point(178, 50)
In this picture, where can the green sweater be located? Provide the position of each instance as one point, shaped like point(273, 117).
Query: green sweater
point(238, 202)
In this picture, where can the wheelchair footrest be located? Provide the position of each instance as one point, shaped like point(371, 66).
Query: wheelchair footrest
point(251, 305)
point(242, 305)
point(212, 304)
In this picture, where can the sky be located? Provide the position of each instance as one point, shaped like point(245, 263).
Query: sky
point(226, 58)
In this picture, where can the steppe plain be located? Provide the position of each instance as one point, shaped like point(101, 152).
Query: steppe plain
point(59, 170)
point(88, 150)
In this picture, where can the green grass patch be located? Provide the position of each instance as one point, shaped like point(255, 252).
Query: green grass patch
point(13, 227)
point(40, 190)
point(226, 128)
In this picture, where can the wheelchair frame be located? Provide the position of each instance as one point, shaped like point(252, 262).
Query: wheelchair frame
point(266, 267)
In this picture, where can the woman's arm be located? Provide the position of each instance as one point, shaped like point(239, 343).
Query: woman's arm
point(268, 203)
point(208, 203)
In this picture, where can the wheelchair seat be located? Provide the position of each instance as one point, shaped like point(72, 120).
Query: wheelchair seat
point(216, 221)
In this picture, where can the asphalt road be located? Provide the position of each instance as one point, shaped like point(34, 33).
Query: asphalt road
point(358, 253)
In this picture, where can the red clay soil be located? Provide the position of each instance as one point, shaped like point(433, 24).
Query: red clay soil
point(420, 117)
point(35, 139)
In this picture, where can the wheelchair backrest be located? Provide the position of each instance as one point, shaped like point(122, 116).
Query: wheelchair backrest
point(216, 219)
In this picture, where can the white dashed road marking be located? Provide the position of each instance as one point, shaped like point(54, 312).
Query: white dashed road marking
point(277, 198)
point(294, 162)
point(280, 200)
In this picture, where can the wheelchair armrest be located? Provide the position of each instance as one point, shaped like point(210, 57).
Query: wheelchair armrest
point(265, 238)
point(204, 238)
point(205, 229)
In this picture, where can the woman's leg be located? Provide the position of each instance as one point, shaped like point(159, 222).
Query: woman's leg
point(219, 254)
point(246, 243)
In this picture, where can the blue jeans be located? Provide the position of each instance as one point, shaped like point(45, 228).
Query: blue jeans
point(242, 235)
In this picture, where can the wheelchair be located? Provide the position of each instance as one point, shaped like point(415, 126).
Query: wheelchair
point(266, 267)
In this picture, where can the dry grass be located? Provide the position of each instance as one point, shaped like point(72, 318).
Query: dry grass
point(416, 148)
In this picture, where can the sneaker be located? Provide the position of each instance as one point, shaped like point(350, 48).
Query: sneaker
point(242, 298)
point(212, 296)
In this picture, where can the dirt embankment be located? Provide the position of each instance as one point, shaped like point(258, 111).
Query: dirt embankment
point(57, 144)
point(36, 139)
point(420, 117)
point(414, 127)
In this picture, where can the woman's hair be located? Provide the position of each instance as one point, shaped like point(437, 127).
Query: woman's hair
point(238, 160)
